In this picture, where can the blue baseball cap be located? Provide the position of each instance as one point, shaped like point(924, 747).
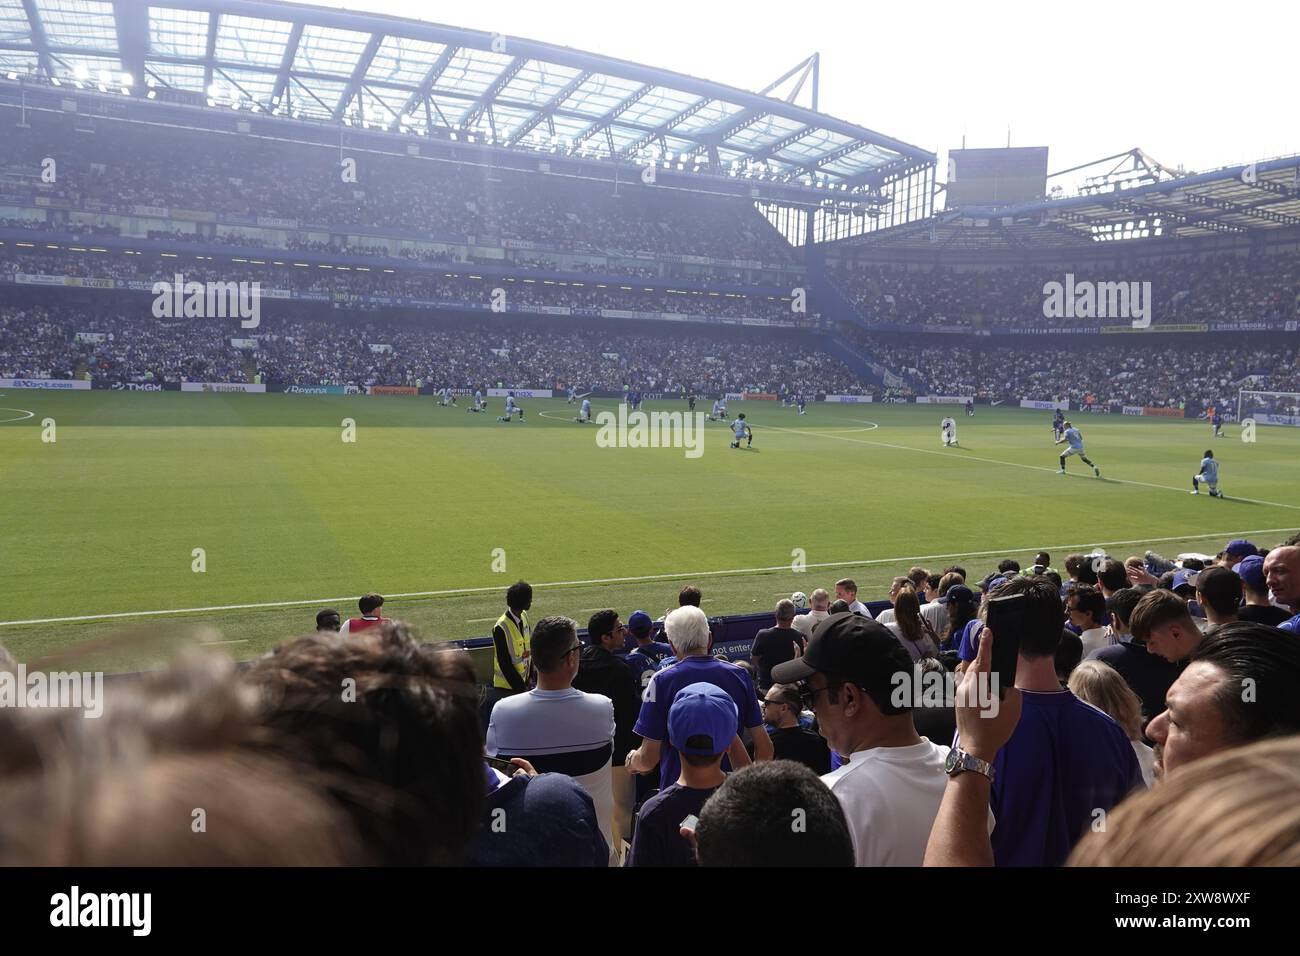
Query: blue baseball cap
point(702, 720)
point(1251, 572)
point(1184, 579)
point(639, 623)
point(1240, 548)
point(958, 594)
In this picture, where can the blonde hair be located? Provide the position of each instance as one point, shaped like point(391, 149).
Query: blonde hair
point(1236, 808)
point(1102, 686)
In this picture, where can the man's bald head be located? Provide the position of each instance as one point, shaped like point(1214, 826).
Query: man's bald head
point(1282, 574)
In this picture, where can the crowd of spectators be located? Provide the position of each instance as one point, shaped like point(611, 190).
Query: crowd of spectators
point(1183, 290)
point(1175, 374)
point(359, 189)
point(295, 349)
point(1156, 690)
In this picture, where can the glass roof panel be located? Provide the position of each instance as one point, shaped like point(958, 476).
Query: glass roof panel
point(178, 32)
point(601, 93)
point(403, 60)
point(181, 76)
point(86, 24)
point(244, 85)
point(327, 50)
point(537, 82)
point(14, 27)
point(251, 40)
point(17, 61)
point(322, 103)
point(715, 113)
point(472, 71)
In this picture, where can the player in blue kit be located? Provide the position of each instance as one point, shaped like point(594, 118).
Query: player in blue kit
point(1058, 425)
point(739, 430)
point(1209, 474)
point(802, 403)
point(1217, 421)
point(1075, 442)
point(511, 408)
point(584, 414)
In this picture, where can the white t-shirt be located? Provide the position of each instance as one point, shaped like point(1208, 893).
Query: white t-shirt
point(565, 731)
point(891, 796)
point(805, 623)
point(1094, 638)
point(857, 607)
point(886, 616)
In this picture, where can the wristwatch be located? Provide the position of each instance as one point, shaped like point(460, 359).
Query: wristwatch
point(959, 761)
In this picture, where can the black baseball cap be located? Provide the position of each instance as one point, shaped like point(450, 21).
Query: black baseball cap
point(849, 646)
point(958, 594)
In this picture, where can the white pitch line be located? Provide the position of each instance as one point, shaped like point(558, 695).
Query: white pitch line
point(21, 418)
point(1225, 535)
point(1013, 464)
point(213, 643)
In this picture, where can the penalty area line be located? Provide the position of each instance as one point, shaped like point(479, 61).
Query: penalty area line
point(647, 578)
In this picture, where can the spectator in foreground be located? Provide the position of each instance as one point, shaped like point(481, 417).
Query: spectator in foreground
point(1258, 609)
point(782, 708)
point(1095, 683)
point(1086, 608)
point(1148, 675)
point(1065, 759)
point(1282, 574)
point(1218, 592)
point(1240, 804)
point(805, 624)
point(776, 645)
point(892, 784)
point(1239, 686)
point(394, 723)
point(647, 654)
point(1162, 622)
point(701, 726)
point(773, 814)
point(688, 633)
point(329, 620)
point(510, 649)
point(846, 589)
point(910, 628)
point(369, 605)
point(556, 727)
point(534, 819)
point(600, 672)
point(123, 790)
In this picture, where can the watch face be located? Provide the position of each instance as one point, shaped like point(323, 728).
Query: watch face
point(952, 762)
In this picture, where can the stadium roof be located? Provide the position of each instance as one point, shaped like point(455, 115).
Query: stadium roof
point(1248, 200)
point(373, 70)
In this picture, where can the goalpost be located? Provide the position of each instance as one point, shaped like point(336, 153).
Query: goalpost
point(1269, 408)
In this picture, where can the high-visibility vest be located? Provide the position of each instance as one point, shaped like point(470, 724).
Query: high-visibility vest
point(517, 639)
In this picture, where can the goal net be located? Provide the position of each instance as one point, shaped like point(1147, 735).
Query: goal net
point(1269, 408)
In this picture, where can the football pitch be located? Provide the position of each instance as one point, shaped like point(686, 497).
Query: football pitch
point(237, 517)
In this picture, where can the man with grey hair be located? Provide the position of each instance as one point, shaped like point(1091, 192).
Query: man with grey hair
point(775, 645)
point(1282, 574)
point(820, 600)
point(687, 630)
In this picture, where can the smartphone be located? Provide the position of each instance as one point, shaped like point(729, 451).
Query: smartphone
point(1006, 619)
point(505, 766)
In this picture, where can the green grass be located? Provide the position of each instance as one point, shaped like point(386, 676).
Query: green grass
point(105, 520)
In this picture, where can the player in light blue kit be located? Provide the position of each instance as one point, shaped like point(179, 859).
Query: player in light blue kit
point(741, 430)
point(1209, 474)
point(584, 414)
point(447, 398)
point(478, 402)
point(573, 395)
point(719, 412)
point(511, 408)
point(1075, 441)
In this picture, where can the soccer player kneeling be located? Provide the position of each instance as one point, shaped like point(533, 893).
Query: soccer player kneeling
point(1209, 474)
